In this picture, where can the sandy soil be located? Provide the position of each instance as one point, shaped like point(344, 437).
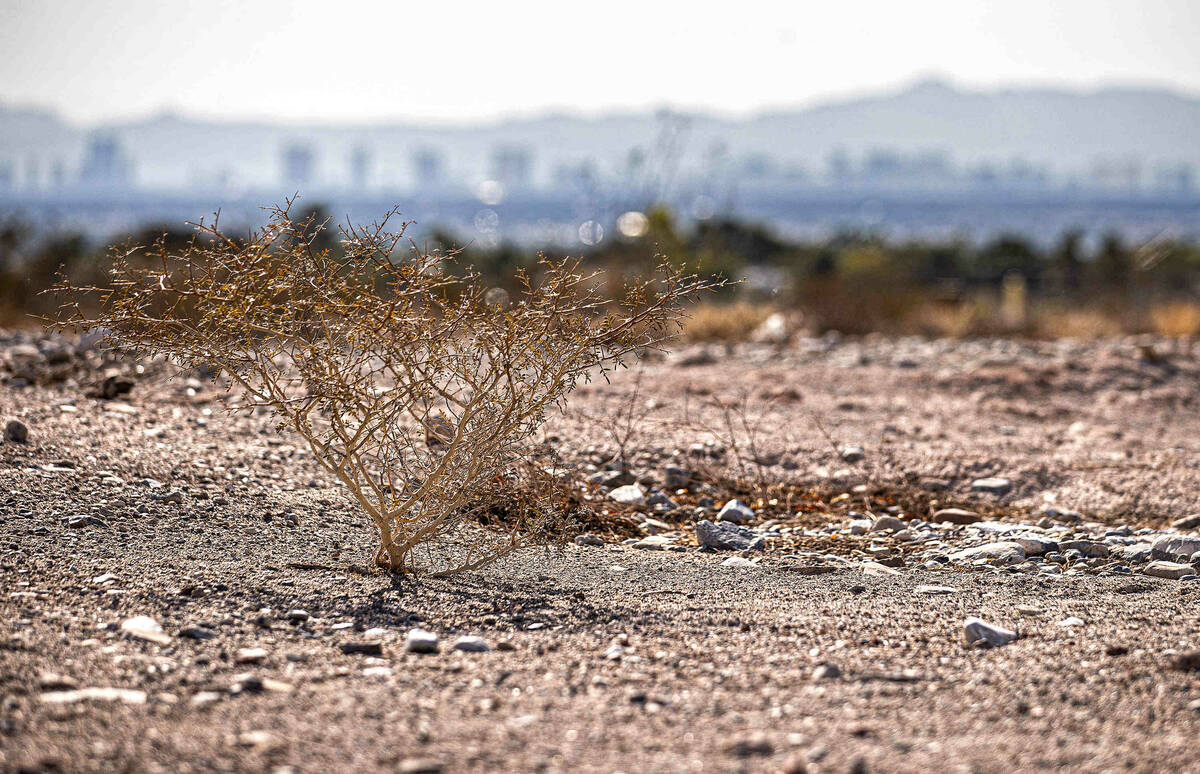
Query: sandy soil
point(606, 659)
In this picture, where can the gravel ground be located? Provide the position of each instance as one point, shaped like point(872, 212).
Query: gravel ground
point(184, 592)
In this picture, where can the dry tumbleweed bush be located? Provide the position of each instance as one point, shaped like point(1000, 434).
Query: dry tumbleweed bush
point(414, 386)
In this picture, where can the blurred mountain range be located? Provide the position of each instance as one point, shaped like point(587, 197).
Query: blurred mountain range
point(1108, 136)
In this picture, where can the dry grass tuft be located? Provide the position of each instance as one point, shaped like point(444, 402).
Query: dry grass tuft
point(1178, 318)
point(724, 322)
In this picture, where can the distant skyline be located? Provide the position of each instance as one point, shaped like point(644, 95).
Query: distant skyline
point(97, 61)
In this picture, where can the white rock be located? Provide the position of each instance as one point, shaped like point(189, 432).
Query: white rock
point(123, 695)
point(420, 641)
point(471, 644)
point(734, 511)
point(1072, 621)
point(1169, 570)
point(631, 494)
point(738, 561)
point(979, 633)
point(250, 655)
point(143, 627)
point(936, 590)
point(875, 568)
point(1001, 553)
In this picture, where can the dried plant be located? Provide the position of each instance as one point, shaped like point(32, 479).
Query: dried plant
point(414, 385)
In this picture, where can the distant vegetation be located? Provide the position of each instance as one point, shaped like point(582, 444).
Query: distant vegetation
point(1084, 285)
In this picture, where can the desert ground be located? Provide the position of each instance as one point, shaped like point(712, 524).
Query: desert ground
point(185, 590)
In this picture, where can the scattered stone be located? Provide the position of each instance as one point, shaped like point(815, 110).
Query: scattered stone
point(1169, 570)
point(1035, 545)
point(367, 647)
point(81, 521)
point(630, 494)
point(259, 740)
point(735, 512)
point(420, 641)
point(470, 644)
point(123, 695)
point(955, 516)
point(52, 681)
point(1089, 548)
point(676, 477)
point(875, 568)
point(250, 656)
point(652, 543)
point(113, 386)
point(727, 537)
point(143, 627)
point(16, 431)
point(887, 523)
point(297, 616)
point(1001, 553)
point(1172, 547)
point(588, 539)
point(1187, 522)
point(755, 744)
point(1072, 621)
point(852, 453)
point(174, 497)
point(980, 633)
point(827, 671)
point(738, 561)
point(197, 632)
point(996, 486)
point(205, 698)
point(935, 590)
point(1188, 661)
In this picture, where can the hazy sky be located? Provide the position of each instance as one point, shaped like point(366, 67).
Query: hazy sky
point(354, 60)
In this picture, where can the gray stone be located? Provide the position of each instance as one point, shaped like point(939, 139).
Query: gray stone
point(174, 496)
point(363, 647)
point(470, 644)
point(588, 539)
point(197, 632)
point(888, 523)
point(420, 641)
point(1169, 570)
point(996, 527)
point(298, 616)
point(16, 431)
point(676, 477)
point(981, 634)
point(1034, 545)
point(724, 536)
point(661, 502)
point(1174, 546)
point(1089, 548)
point(733, 511)
point(955, 516)
point(1138, 552)
point(1001, 553)
point(1187, 522)
point(996, 486)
